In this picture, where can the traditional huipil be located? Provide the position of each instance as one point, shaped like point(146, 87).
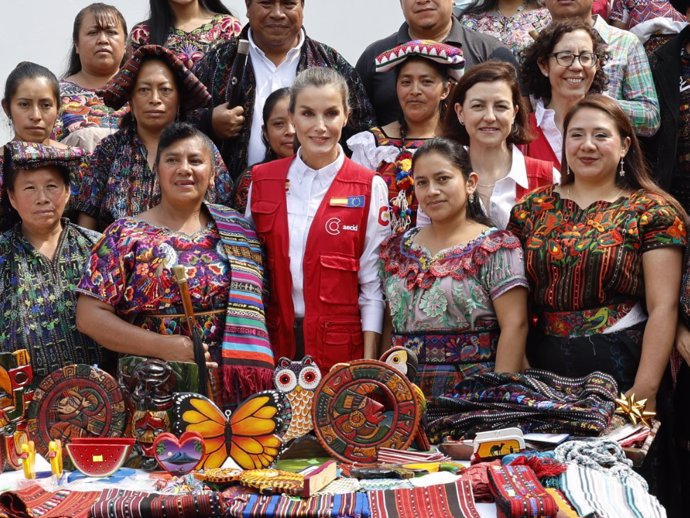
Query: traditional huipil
point(586, 278)
point(321, 231)
point(131, 269)
point(38, 302)
point(190, 46)
point(441, 305)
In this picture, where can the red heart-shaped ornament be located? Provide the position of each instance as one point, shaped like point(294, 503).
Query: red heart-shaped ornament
point(179, 456)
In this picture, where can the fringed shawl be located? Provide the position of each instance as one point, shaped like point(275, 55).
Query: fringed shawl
point(247, 358)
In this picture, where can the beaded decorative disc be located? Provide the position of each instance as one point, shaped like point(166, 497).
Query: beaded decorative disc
point(362, 406)
point(76, 401)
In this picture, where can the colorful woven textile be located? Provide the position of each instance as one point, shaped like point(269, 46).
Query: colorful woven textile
point(352, 505)
point(36, 502)
point(441, 501)
point(247, 357)
point(119, 503)
point(537, 401)
point(519, 494)
point(593, 493)
point(119, 89)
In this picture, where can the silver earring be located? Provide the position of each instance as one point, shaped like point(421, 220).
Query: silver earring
point(472, 197)
point(621, 171)
point(570, 171)
point(462, 123)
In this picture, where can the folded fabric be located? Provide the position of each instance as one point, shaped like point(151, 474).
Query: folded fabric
point(119, 503)
point(352, 505)
point(519, 494)
point(596, 493)
point(537, 401)
point(36, 502)
point(453, 499)
point(478, 477)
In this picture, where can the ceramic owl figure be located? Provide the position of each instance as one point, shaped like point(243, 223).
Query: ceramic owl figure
point(298, 380)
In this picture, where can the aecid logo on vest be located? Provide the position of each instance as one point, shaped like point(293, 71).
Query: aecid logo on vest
point(334, 225)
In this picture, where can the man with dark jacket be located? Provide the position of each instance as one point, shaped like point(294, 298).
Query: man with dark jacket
point(279, 49)
point(424, 20)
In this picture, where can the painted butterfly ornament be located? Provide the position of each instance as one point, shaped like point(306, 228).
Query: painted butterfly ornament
point(251, 435)
point(298, 380)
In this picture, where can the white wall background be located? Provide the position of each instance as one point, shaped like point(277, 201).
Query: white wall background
point(40, 30)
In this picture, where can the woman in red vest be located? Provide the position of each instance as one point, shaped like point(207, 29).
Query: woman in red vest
point(321, 219)
point(562, 66)
point(489, 116)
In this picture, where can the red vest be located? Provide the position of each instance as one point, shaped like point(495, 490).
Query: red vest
point(332, 322)
point(539, 173)
point(540, 148)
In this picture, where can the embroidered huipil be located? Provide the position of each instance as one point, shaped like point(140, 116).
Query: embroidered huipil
point(120, 182)
point(513, 31)
point(441, 305)
point(131, 269)
point(38, 302)
point(84, 119)
point(190, 46)
point(585, 265)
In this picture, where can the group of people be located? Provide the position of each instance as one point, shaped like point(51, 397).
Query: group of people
point(487, 203)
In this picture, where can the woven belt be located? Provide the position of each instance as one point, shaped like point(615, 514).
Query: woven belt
point(450, 348)
point(585, 322)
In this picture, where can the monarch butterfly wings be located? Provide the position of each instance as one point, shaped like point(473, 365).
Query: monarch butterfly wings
point(251, 435)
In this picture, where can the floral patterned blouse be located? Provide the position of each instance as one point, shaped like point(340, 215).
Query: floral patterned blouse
point(191, 46)
point(38, 302)
point(453, 289)
point(120, 182)
point(513, 31)
point(131, 269)
point(580, 259)
point(391, 158)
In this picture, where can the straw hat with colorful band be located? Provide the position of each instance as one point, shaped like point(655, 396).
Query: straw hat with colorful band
point(438, 52)
point(119, 89)
point(29, 155)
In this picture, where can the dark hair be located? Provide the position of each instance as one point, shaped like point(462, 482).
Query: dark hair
point(460, 158)
point(177, 131)
point(487, 72)
point(440, 69)
point(28, 70)
point(478, 7)
point(637, 173)
point(128, 119)
point(271, 101)
point(105, 15)
point(162, 17)
point(539, 85)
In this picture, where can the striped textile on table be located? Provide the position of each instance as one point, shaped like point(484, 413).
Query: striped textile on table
point(441, 501)
point(120, 503)
point(597, 493)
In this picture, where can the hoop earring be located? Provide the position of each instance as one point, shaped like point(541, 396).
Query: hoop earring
point(621, 171)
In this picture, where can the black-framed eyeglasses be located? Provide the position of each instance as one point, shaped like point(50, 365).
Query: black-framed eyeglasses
point(567, 58)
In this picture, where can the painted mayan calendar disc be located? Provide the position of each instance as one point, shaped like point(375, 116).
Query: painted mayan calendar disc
point(76, 401)
point(362, 406)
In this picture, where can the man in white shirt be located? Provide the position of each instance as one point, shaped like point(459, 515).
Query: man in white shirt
point(278, 50)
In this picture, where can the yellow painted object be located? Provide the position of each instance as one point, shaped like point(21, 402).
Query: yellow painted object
point(28, 457)
point(498, 448)
point(55, 457)
point(431, 467)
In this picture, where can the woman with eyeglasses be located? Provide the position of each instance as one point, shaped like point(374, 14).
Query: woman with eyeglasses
point(564, 64)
